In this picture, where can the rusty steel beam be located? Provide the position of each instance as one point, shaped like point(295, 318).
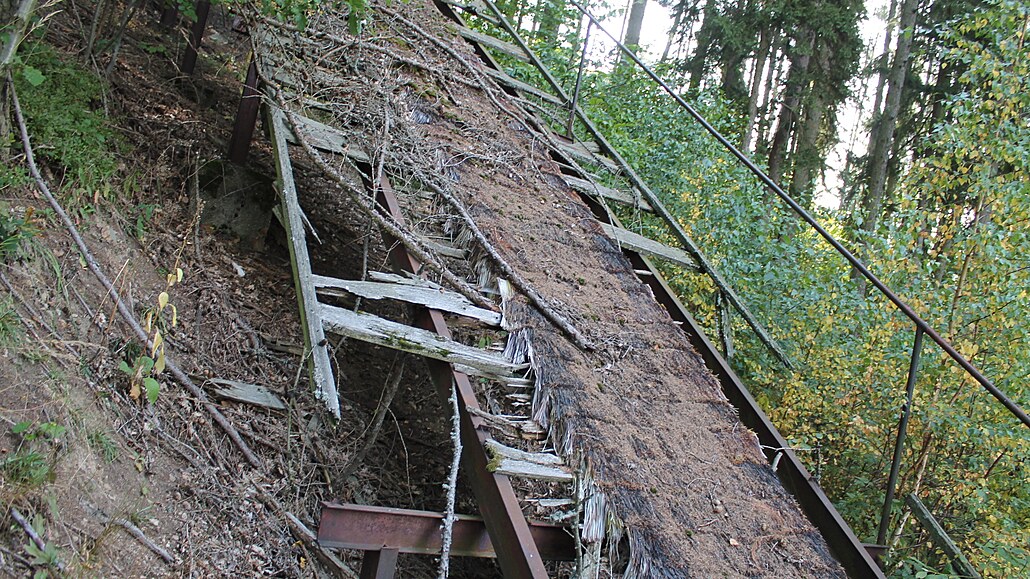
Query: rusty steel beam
point(379, 564)
point(368, 528)
point(189, 60)
point(246, 117)
point(517, 553)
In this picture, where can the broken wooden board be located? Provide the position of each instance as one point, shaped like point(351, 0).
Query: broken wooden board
point(616, 195)
point(523, 87)
point(639, 243)
point(536, 465)
point(322, 136)
point(582, 153)
point(436, 298)
point(376, 330)
point(243, 392)
point(314, 335)
point(492, 43)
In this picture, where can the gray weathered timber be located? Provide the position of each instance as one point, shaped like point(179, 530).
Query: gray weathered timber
point(244, 392)
point(641, 244)
point(436, 298)
point(493, 43)
point(582, 153)
point(616, 195)
point(544, 458)
point(314, 335)
point(533, 470)
point(322, 136)
point(376, 330)
point(523, 87)
point(941, 538)
point(386, 277)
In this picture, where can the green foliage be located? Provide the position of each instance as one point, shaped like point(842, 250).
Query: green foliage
point(15, 231)
point(141, 378)
point(65, 116)
point(30, 463)
point(954, 247)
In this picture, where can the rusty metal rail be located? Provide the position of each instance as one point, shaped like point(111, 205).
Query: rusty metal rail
point(367, 528)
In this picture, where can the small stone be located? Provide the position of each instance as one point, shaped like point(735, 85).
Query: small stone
point(734, 542)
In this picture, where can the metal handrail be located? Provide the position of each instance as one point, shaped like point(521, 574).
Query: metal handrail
point(921, 325)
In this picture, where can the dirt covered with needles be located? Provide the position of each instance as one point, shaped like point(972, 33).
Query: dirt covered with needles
point(668, 469)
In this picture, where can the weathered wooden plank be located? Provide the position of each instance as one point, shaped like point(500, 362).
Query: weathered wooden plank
point(523, 87)
point(385, 277)
point(436, 298)
point(940, 537)
point(322, 136)
point(639, 243)
point(583, 154)
point(314, 335)
point(607, 192)
point(499, 450)
point(493, 43)
point(523, 469)
point(376, 330)
point(244, 392)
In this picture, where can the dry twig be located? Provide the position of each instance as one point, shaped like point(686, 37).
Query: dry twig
point(122, 307)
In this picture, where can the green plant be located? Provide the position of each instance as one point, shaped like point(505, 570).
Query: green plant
point(64, 113)
point(47, 556)
point(28, 465)
point(15, 231)
point(10, 323)
point(101, 442)
point(141, 377)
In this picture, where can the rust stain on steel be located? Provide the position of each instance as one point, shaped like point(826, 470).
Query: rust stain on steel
point(373, 528)
point(517, 552)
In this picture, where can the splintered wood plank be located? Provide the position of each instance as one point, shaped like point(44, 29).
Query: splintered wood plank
point(583, 154)
point(244, 392)
point(436, 298)
point(639, 243)
point(607, 192)
point(314, 335)
point(322, 136)
point(523, 87)
point(493, 43)
point(376, 330)
point(940, 537)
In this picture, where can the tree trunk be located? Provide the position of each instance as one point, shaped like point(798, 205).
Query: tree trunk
point(797, 79)
point(761, 56)
point(882, 138)
point(15, 17)
point(695, 67)
point(636, 21)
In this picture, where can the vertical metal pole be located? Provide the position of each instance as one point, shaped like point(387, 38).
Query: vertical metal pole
point(579, 82)
point(381, 564)
point(906, 413)
point(246, 117)
point(189, 60)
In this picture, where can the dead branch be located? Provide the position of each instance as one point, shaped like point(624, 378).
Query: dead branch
point(33, 535)
point(392, 386)
point(133, 530)
point(306, 536)
point(516, 279)
point(452, 487)
point(395, 229)
point(123, 309)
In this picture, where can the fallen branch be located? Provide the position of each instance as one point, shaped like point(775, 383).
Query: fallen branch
point(33, 535)
point(452, 487)
point(133, 530)
point(306, 536)
point(392, 386)
point(396, 230)
point(516, 279)
point(122, 307)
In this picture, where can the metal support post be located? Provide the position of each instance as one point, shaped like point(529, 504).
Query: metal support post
point(899, 445)
point(189, 60)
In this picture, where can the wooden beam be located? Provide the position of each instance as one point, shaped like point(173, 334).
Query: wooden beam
point(314, 336)
point(523, 87)
point(941, 538)
point(641, 244)
point(492, 43)
point(584, 186)
point(244, 392)
point(322, 136)
point(376, 330)
point(436, 298)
